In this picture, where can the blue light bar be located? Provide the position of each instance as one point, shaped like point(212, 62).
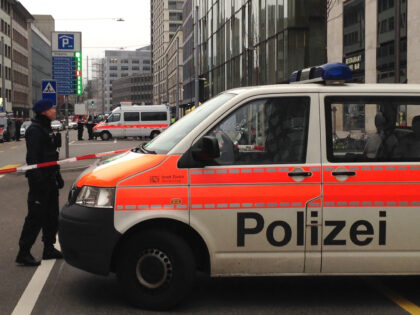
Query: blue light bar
point(330, 73)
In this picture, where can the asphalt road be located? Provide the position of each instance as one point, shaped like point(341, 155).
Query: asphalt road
point(71, 291)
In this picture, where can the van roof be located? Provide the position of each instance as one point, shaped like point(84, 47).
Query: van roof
point(142, 107)
point(322, 88)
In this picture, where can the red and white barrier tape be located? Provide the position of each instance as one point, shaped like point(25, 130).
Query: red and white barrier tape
point(69, 160)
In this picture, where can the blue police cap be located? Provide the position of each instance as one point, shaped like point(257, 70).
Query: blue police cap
point(42, 105)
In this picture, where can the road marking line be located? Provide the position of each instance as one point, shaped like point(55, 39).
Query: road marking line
point(394, 297)
point(30, 296)
point(1, 176)
point(115, 141)
point(14, 147)
point(10, 166)
point(72, 142)
point(1, 151)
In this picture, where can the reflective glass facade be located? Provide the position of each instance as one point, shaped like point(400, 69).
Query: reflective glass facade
point(392, 41)
point(255, 42)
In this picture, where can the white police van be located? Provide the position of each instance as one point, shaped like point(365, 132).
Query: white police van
point(298, 179)
point(134, 121)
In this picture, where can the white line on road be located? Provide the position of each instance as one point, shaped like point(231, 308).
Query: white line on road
point(1, 176)
point(29, 297)
point(72, 142)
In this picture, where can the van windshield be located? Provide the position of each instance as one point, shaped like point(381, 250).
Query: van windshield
point(171, 136)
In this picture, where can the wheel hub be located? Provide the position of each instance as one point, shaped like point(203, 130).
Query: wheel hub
point(153, 269)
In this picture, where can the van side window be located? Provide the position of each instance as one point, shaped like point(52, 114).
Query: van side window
point(372, 128)
point(114, 117)
point(131, 116)
point(264, 131)
point(154, 116)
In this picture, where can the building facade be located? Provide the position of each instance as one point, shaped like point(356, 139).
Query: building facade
point(188, 53)
point(378, 39)
point(174, 70)
point(123, 63)
point(137, 88)
point(6, 69)
point(166, 18)
point(256, 42)
point(41, 62)
point(21, 60)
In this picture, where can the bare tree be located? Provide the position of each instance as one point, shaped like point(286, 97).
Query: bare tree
point(329, 6)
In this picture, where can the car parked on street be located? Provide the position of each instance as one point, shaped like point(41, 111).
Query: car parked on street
point(57, 125)
point(24, 126)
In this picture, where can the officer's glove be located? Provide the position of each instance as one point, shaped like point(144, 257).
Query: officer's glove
point(60, 181)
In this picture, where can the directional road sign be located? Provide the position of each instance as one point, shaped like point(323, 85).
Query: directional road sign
point(49, 90)
point(67, 62)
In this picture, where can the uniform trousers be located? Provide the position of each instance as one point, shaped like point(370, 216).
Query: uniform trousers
point(42, 214)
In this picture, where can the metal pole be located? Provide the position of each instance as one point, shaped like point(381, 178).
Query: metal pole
point(196, 56)
point(177, 79)
point(103, 86)
point(167, 74)
point(3, 77)
point(160, 102)
point(87, 70)
point(66, 124)
point(397, 41)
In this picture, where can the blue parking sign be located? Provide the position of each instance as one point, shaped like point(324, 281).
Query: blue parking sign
point(66, 41)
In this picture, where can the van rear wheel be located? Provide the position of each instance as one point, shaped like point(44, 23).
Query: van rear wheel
point(156, 269)
point(105, 136)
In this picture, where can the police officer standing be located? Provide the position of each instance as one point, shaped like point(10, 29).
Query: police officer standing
point(80, 128)
point(41, 145)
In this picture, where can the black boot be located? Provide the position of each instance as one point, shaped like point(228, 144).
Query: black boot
point(51, 253)
point(24, 258)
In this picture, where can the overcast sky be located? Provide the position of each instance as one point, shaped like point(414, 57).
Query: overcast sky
point(96, 19)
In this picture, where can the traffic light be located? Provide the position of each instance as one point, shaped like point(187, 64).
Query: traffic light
point(78, 90)
point(92, 103)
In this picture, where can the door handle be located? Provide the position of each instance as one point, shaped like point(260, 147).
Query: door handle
point(343, 173)
point(296, 174)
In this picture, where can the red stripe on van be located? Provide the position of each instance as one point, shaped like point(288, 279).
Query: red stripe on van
point(129, 126)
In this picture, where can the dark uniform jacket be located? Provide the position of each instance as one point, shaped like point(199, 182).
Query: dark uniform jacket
point(41, 145)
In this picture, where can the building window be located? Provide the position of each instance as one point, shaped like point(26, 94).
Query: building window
point(354, 38)
point(392, 67)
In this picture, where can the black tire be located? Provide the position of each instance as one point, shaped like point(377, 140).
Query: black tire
point(105, 136)
point(156, 269)
point(154, 134)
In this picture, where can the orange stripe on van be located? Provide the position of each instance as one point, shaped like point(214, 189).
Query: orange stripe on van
point(255, 196)
point(130, 126)
point(251, 175)
point(375, 173)
point(151, 198)
point(365, 195)
point(110, 175)
point(167, 173)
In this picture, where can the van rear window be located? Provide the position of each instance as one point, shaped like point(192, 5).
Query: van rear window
point(154, 116)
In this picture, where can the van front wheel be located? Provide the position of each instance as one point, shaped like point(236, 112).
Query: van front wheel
point(154, 134)
point(105, 136)
point(156, 269)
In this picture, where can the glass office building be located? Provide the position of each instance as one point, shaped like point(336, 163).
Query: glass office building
point(256, 42)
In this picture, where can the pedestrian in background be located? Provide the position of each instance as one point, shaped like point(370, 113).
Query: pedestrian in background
point(79, 128)
point(18, 124)
point(41, 145)
point(89, 126)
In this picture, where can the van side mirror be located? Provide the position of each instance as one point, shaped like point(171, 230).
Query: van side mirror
point(206, 149)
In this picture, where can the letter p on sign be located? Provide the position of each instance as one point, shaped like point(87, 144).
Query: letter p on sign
point(66, 41)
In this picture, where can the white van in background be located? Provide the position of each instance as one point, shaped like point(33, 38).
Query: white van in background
point(134, 121)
